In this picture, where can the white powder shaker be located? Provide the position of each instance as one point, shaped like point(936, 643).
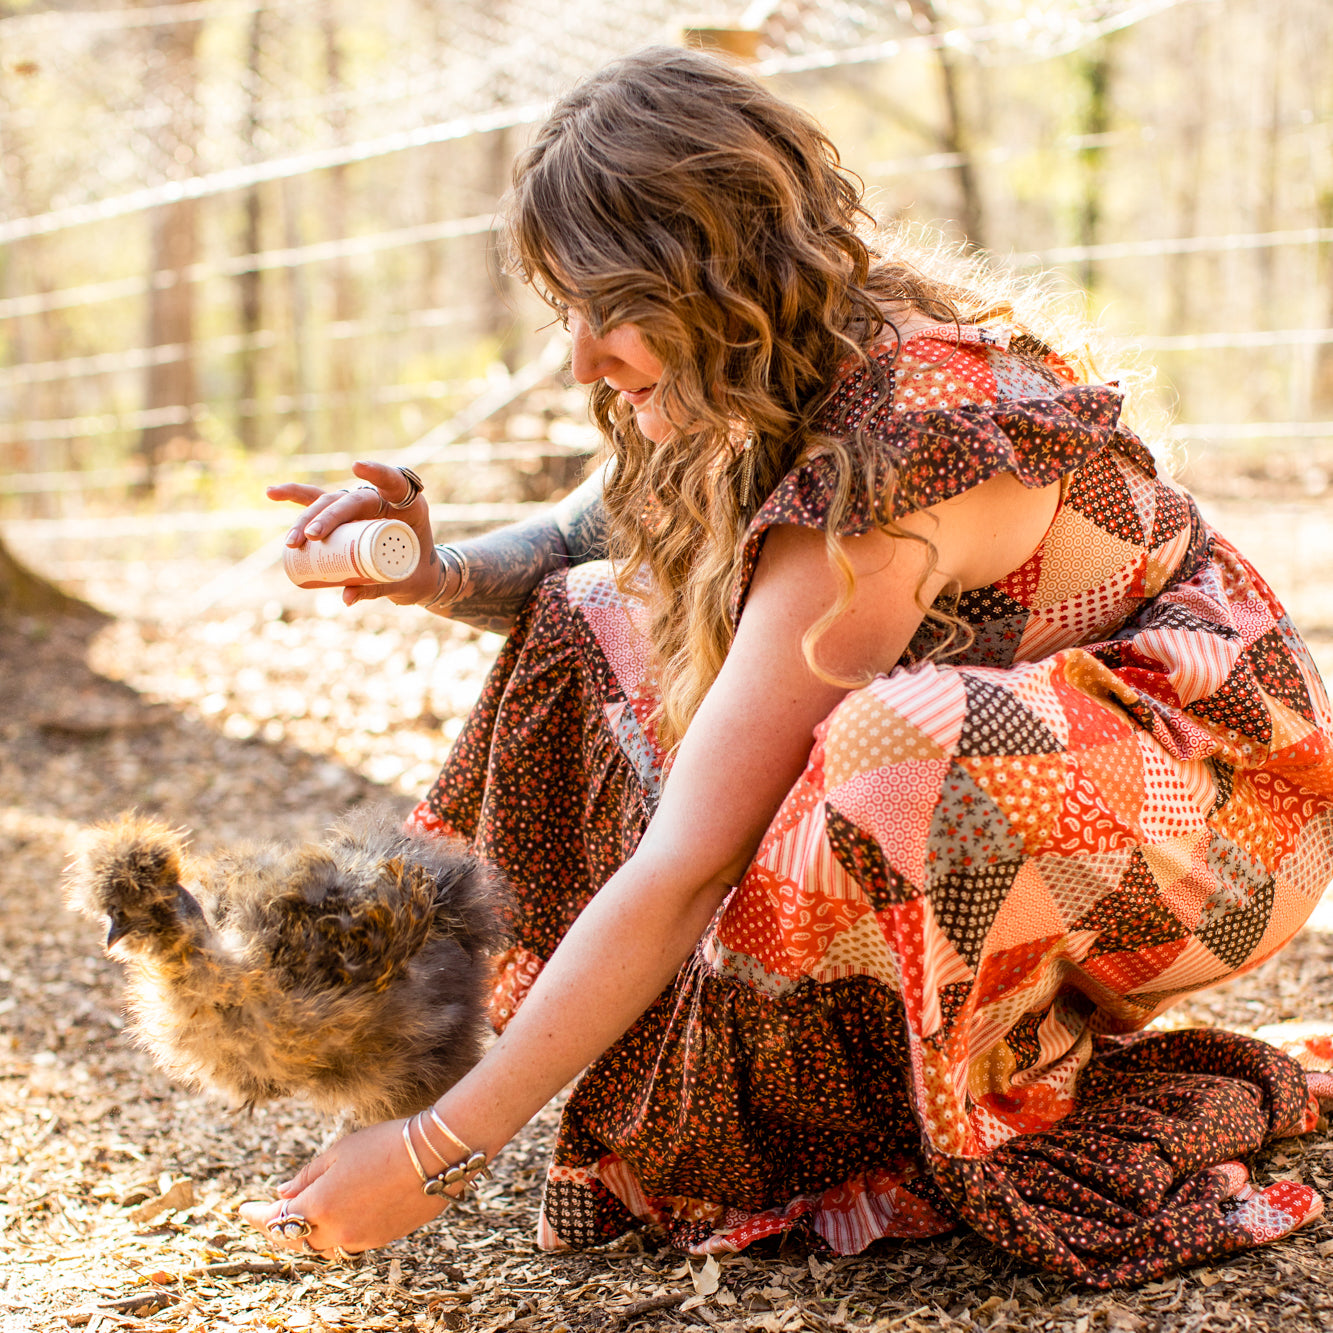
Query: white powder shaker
point(373, 550)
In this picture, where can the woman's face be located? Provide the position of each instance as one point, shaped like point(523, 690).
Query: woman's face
point(620, 357)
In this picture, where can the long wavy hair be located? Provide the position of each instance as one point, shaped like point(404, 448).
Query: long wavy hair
point(676, 193)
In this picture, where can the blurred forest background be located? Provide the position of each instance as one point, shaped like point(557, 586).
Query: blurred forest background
point(246, 240)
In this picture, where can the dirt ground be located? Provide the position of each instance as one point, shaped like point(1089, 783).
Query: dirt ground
point(270, 715)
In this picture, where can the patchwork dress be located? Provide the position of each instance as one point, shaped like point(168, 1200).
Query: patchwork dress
point(926, 1001)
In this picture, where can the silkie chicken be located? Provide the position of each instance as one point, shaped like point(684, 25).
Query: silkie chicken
point(348, 972)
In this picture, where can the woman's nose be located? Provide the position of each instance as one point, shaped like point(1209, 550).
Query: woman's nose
point(589, 360)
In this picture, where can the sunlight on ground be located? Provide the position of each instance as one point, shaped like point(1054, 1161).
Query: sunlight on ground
point(1321, 919)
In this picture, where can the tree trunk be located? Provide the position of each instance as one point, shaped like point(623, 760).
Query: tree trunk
point(498, 320)
point(298, 300)
point(1095, 73)
point(28, 270)
point(955, 134)
point(342, 423)
point(250, 285)
point(169, 386)
point(1184, 271)
point(1321, 393)
point(23, 593)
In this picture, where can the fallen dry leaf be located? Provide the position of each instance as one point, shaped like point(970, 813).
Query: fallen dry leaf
point(707, 1278)
point(1120, 1317)
point(180, 1195)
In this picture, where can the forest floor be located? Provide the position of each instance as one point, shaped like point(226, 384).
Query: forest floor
point(270, 715)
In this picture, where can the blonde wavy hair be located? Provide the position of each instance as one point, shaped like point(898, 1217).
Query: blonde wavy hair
point(676, 193)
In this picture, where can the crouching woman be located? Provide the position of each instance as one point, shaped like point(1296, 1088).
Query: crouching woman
point(880, 743)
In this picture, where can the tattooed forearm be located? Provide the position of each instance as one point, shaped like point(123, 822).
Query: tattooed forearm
point(582, 522)
point(499, 573)
point(484, 581)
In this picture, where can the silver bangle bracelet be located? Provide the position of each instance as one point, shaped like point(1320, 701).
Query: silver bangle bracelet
point(412, 1152)
point(450, 558)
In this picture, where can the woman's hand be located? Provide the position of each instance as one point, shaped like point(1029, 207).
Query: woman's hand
point(357, 1195)
point(327, 510)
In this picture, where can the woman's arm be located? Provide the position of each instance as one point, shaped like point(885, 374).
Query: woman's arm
point(496, 573)
point(491, 576)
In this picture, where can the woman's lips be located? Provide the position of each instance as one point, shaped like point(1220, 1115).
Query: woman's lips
point(638, 397)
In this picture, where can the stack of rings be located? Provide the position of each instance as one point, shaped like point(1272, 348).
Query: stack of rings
point(414, 488)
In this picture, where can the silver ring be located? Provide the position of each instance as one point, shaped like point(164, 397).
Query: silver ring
point(414, 488)
point(274, 1224)
point(382, 501)
point(288, 1225)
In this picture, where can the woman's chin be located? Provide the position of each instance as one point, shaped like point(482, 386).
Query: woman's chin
point(652, 426)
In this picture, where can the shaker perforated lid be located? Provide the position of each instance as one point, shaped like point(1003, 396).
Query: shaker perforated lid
point(389, 550)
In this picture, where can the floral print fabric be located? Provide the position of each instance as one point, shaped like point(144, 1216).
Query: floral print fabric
point(925, 1001)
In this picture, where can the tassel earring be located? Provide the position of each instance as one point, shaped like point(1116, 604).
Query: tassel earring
point(749, 461)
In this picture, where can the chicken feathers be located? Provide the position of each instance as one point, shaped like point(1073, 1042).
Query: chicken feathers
point(348, 972)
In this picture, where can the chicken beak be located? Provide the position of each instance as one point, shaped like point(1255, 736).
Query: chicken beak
point(117, 930)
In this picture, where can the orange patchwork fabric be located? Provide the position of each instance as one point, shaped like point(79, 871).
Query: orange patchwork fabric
point(926, 999)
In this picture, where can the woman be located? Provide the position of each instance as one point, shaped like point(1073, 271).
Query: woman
point(917, 746)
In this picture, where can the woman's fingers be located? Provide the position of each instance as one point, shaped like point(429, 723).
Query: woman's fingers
point(264, 1215)
point(304, 1178)
point(390, 481)
point(315, 500)
point(388, 489)
point(347, 506)
point(297, 492)
point(386, 492)
point(365, 592)
point(327, 510)
point(359, 1194)
point(259, 1215)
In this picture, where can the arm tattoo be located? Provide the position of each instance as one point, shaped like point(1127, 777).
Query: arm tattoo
point(505, 566)
point(584, 531)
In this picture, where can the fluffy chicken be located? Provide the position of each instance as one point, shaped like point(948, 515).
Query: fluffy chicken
point(348, 972)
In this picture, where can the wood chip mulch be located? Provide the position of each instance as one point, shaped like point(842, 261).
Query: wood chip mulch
point(119, 1192)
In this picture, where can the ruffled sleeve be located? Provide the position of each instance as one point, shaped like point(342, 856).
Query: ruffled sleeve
point(938, 453)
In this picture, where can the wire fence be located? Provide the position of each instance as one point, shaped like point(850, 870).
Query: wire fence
point(257, 238)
